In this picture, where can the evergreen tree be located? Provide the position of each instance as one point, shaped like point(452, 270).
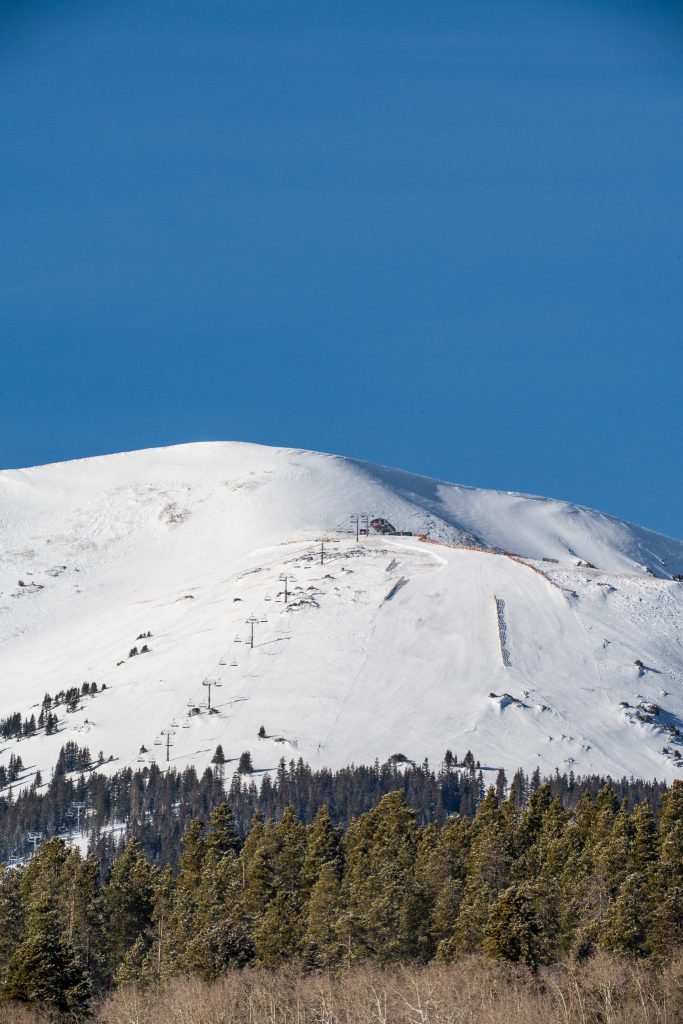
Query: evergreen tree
point(324, 947)
point(222, 837)
point(513, 930)
point(220, 936)
point(644, 838)
point(12, 915)
point(45, 969)
point(445, 918)
point(624, 930)
point(380, 888)
point(290, 845)
point(258, 871)
point(136, 968)
point(128, 903)
point(278, 935)
point(665, 891)
point(488, 864)
point(85, 919)
point(323, 847)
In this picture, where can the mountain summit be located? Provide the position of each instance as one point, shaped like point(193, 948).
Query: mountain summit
point(528, 630)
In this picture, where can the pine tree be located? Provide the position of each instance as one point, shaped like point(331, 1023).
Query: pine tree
point(12, 915)
point(278, 935)
point(45, 969)
point(257, 862)
point(665, 890)
point(624, 930)
point(220, 937)
point(445, 918)
point(323, 847)
point(194, 852)
point(50, 873)
point(513, 930)
point(128, 902)
point(644, 838)
point(324, 947)
point(136, 968)
point(290, 842)
point(488, 866)
point(222, 837)
point(380, 889)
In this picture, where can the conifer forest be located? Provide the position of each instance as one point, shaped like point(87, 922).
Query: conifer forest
point(391, 875)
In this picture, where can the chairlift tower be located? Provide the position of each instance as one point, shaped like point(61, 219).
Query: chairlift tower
point(34, 837)
point(285, 577)
point(168, 733)
point(361, 520)
point(75, 811)
point(251, 621)
point(209, 683)
point(323, 541)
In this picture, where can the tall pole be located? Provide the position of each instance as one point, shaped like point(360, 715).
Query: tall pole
point(285, 577)
point(168, 733)
point(251, 622)
point(35, 837)
point(209, 683)
point(76, 809)
point(361, 519)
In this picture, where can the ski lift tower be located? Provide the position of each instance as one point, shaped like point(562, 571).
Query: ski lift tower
point(209, 683)
point(34, 837)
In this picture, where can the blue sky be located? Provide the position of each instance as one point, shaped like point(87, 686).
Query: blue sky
point(444, 236)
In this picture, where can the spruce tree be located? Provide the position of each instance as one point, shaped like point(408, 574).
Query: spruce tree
point(445, 918)
point(45, 969)
point(324, 947)
point(644, 838)
point(136, 967)
point(665, 892)
point(222, 837)
point(380, 889)
point(278, 935)
point(12, 915)
point(128, 902)
point(220, 938)
point(624, 930)
point(513, 930)
point(323, 846)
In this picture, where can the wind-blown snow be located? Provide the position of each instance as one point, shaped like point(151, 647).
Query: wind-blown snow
point(392, 645)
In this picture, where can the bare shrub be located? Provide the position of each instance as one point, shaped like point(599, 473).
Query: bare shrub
point(602, 990)
point(15, 1013)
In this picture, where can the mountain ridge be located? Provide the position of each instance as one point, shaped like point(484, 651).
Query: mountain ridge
point(392, 645)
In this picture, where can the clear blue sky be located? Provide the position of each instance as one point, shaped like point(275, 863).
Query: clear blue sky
point(445, 236)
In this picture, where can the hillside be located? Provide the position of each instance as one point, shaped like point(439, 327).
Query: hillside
point(566, 655)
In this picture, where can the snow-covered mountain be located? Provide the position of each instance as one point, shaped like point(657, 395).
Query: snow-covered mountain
point(531, 631)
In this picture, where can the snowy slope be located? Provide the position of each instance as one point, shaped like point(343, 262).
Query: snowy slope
point(392, 645)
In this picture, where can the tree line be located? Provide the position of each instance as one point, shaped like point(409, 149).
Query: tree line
point(155, 806)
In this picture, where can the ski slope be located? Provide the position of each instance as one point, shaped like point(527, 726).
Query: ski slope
point(468, 639)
